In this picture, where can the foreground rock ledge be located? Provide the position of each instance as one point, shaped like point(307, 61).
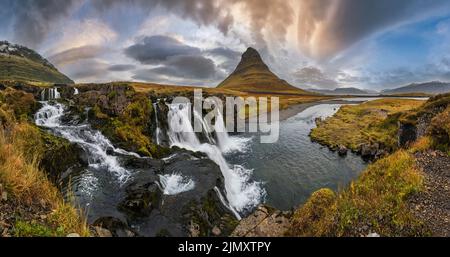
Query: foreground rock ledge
point(264, 222)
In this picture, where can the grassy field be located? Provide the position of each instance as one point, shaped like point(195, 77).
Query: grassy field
point(370, 122)
point(286, 98)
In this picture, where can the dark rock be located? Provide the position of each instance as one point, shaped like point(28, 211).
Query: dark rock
point(141, 200)
point(369, 151)
point(342, 150)
point(407, 133)
point(60, 156)
point(117, 227)
point(196, 212)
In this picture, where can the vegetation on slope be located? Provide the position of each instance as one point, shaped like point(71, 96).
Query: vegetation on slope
point(31, 205)
point(22, 69)
point(367, 123)
point(375, 203)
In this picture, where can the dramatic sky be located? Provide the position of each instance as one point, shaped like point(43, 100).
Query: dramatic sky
point(371, 44)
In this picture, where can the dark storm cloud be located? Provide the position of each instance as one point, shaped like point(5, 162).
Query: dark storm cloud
point(186, 67)
point(121, 67)
point(75, 54)
point(224, 52)
point(156, 49)
point(203, 12)
point(326, 27)
point(33, 19)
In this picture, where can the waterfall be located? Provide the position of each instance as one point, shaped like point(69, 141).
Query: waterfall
point(50, 94)
point(96, 145)
point(158, 129)
point(174, 184)
point(242, 193)
point(75, 92)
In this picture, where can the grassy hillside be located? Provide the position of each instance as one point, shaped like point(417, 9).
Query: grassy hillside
point(30, 204)
point(376, 202)
point(22, 69)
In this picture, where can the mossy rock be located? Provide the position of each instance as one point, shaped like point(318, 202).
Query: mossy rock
point(59, 155)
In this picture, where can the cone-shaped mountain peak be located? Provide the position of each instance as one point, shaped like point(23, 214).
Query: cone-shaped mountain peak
point(253, 75)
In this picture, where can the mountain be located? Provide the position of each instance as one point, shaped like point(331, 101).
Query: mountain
point(21, 63)
point(253, 75)
point(433, 87)
point(344, 91)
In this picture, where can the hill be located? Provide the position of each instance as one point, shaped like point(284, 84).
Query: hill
point(21, 63)
point(343, 91)
point(433, 87)
point(253, 75)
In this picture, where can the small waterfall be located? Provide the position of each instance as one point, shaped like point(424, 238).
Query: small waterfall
point(158, 129)
point(50, 94)
point(92, 141)
point(75, 92)
point(174, 184)
point(242, 193)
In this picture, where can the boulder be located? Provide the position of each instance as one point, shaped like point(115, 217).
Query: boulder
point(342, 150)
point(115, 226)
point(369, 151)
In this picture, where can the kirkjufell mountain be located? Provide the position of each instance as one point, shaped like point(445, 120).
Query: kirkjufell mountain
point(253, 75)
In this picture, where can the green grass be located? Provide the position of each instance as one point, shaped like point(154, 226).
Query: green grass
point(22, 69)
point(369, 122)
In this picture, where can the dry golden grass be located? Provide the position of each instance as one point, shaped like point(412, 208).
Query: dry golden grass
point(29, 187)
point(286, 98)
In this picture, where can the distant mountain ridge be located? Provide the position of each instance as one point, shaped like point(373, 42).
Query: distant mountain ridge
point(253, 75)
point(344, 91)
point(21, 63)
point(433, 87)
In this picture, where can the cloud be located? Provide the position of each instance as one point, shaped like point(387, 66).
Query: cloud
point(121, 67)
point(186, 67)
point(87, 70)
point(177, 60)
point(76, 54)
point(224, 52)
point(314, 77)
point(86, 32)
point(156, 49)
point(34, 19)
point(203, 12)
point(326, 27)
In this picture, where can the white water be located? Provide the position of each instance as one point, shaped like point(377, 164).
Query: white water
point(174, 184)
point(50, 94)
point(226, 143)
point(242, 193)
point(158, 129)
point(75, 91)
point(91, 140)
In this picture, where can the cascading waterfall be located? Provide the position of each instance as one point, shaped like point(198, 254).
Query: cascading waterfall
point(173, 184)
point(75, 92)
point(158, 129)
point(242, 193)
point(93, 142)
point(50, 94)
